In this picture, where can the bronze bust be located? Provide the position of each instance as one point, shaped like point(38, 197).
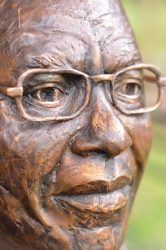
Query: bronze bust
point(75, 127)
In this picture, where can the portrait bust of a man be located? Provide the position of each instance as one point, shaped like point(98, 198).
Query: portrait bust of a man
point(75, 128)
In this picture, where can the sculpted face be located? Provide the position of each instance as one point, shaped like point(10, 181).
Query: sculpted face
point(67, 184)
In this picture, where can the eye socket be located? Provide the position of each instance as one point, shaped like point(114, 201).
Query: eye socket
point(128, 86)
point(53, 93)
point(128, 89)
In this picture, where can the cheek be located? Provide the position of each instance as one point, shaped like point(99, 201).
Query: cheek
point(29, 151)
point(140, 130)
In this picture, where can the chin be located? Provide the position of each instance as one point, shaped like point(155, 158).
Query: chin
point(95, 221)
point(71, 224)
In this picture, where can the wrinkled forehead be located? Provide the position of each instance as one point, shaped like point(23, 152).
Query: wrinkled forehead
point(92, 35)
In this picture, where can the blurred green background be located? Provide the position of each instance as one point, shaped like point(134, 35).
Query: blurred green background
point(147, 225)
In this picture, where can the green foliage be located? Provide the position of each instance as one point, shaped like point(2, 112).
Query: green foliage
point(147, 225)
point(148, 20)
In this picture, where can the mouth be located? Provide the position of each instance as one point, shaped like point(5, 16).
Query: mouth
point(94, 210)
point(94, 204)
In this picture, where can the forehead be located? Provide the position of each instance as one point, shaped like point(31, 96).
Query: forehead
point(86, 35)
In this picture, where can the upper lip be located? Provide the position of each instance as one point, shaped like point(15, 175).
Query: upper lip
point(98, 186)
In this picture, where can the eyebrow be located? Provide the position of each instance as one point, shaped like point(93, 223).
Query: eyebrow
point(46, 61)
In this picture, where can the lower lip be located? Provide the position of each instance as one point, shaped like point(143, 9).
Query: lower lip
point(95, 203)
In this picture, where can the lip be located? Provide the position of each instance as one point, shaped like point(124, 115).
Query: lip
point(94, 210)
point(96, 203)
point(91, 202)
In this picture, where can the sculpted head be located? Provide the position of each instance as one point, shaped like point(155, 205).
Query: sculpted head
point(73, 146)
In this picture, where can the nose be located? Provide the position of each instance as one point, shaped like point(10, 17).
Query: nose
point(104, 133)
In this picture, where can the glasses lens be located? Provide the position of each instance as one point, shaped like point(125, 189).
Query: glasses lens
point(52, 94)
point(135, 89)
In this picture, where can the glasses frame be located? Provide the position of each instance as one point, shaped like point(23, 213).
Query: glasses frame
point(161, 83)
point(17, 92)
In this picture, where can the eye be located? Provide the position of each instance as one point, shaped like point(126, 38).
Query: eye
point(132, 89)
point(49, 92)
point(129, 88)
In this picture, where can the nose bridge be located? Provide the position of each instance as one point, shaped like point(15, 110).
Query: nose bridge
point(105, 132)
point(103, 122)
point(107, 127)
point(102, 77)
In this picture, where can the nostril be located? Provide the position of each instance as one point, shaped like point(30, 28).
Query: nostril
point(97, 152)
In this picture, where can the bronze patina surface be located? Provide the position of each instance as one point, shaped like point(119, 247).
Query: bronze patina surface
point(75, 129)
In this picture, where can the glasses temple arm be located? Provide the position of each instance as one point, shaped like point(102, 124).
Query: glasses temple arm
point(162, 82)
point(11, 91)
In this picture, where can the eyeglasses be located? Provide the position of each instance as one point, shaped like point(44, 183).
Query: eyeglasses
point(62, 94)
